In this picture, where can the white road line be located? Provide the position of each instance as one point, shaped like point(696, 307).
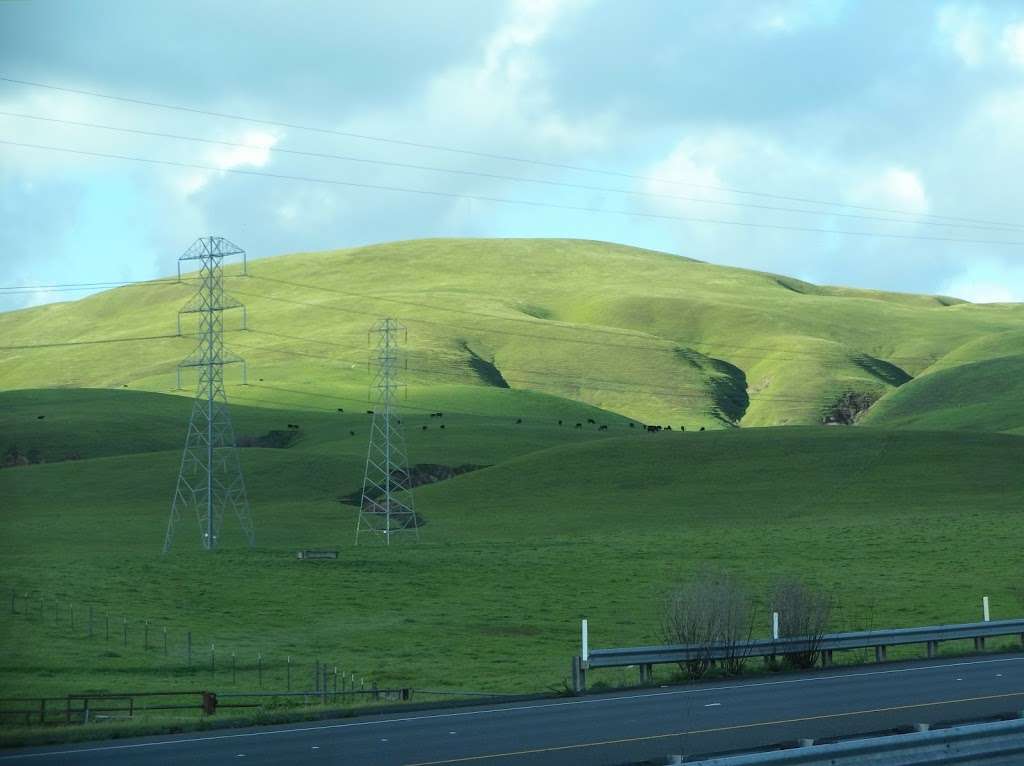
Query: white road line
point(509, 709)
point(713, 704)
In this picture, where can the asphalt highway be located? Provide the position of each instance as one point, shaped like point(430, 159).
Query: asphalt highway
point(608, 729)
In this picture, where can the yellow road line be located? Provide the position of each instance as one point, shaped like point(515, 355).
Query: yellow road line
point(714, 730)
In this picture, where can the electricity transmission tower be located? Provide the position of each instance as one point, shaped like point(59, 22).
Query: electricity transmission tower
point(210, 479)
point(386, 507)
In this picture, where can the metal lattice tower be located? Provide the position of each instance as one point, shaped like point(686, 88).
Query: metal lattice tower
point(210, 480)
point(386, 507)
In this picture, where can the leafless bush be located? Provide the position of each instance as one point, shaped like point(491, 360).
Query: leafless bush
point(804, 612)
point(711, 611)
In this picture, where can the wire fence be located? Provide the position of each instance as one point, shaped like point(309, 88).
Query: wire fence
point(180, 649)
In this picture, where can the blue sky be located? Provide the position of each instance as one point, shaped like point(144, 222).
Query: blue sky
point(910, 106)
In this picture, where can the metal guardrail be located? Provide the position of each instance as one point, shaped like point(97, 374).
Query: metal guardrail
point(879, 640)
point(970, 745)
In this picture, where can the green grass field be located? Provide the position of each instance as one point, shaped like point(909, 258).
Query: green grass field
point(908, 518)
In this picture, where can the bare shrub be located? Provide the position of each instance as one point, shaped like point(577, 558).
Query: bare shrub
point(804, 613)
point(714, 610)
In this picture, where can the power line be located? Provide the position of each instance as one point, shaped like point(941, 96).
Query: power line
point(629, 386)
point(502, 177)
point(76, 286)
point(459, 368)
point(64, 344)
point(507, 200)
point(668, 343)
point(495, 156)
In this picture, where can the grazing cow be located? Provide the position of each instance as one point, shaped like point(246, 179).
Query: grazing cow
point(40, 417)
point(653, 429)
point(341, 409)
point(261, 380)
point(668, 428)
point(559, 422)
point(369, 412)
point(442, 426)
point(682, 428)
point(579, 425)
point(632, 425)
point(602, 428)
point(424, 428)
point(351, 433)
point(518, 421)
point(591, 421)
point(702, 428)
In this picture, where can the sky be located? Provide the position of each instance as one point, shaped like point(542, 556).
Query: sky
point(907, 114)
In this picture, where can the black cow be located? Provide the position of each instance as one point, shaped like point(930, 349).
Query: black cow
point(579, 425)
point(702, 428)
point(518, 421)
point(341, 409)
point(653, 429)
point(591, 421)
point(442, 426)
point(40, 417)
point(369, 412)
point(351, 433)
point(602, 428)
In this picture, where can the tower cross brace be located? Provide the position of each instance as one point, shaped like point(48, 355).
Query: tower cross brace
point(210, 478)
point(386, 506)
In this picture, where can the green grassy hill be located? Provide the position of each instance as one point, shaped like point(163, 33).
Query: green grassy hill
point(563, 524)
point(507, 338)
point(655, 337)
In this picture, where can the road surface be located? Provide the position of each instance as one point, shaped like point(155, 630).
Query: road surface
point(611, 729)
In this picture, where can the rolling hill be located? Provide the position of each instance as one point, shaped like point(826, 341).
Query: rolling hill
point(655, 337)
point(516, 341)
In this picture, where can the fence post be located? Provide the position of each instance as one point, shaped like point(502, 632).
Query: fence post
point(71, 615)
point(316, 676)
point(234, 670)
point(259, 669)
point(188, 645)
point(145, 634)
point(165, 640)
point(213, 659)
point(90, 621)
point(288, 683)
point(335, 683)
point(108, 627)
point(124, 625)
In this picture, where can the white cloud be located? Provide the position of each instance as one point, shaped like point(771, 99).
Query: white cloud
point(253, 152)
point(894, 188)
point(967, 31)
point(982, 288)
point(1013, 43)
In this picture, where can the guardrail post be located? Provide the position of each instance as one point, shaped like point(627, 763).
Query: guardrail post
point(933, 649)
point(979, 644)
point(826, 657)
point(880, 653)
point(579, 675)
